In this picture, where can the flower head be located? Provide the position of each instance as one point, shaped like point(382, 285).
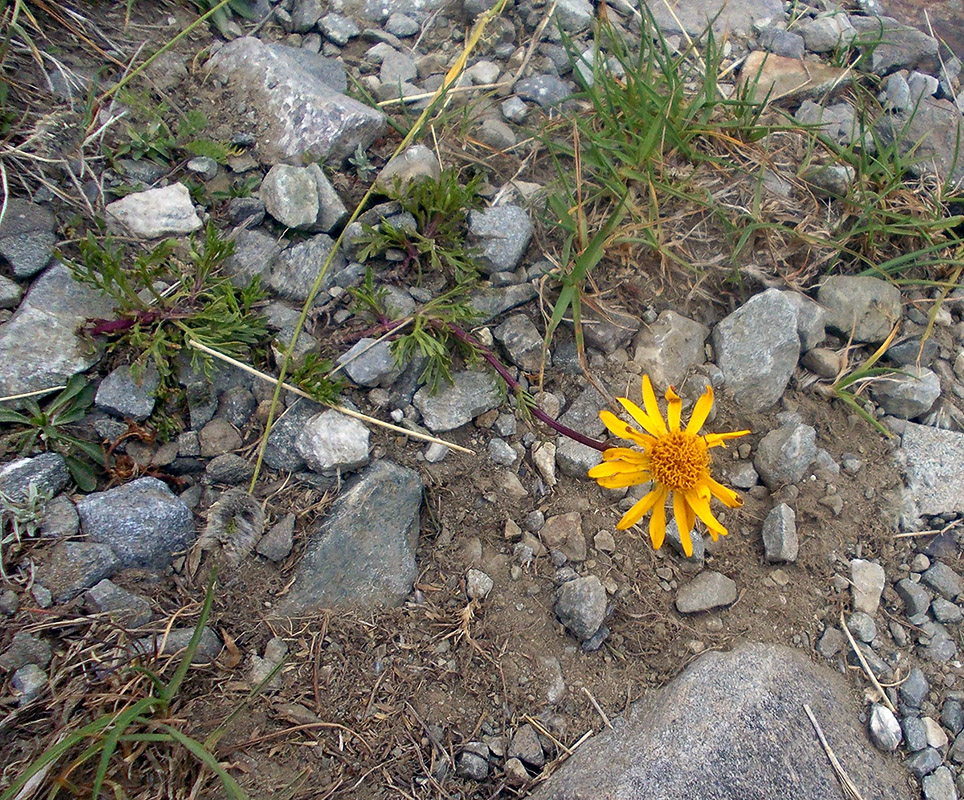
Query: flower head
point(674, 459)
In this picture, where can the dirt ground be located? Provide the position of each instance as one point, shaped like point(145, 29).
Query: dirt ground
point(378, 705)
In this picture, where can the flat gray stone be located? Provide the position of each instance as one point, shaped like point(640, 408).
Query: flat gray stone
point(29, 681)
point(757, 348)
point(124, 608)
point(125, 396)
point(254, 253)
point(573, 458)
point(780, 542)
point(581, 606)
point(143, 522)
point(916, 598)
point(704, 713)
point(27, 237)
point(867, 583)
point(932, 458)
point(25, 648)
point(489, 303)
point(331, 443)
point(545, 91)
point(276, 544)
point(888, 45)
point(69, 568)
point(40, 346)
point(167, 211)
point(370, 363)
point(811, 320)
point(362, 554)
point(10, 293)
point(944, 580)
point(47, 473)
point(521, 341)
point(503, 234)
point(706, 591)
point(865, 307)
point(300, 98)
point(826, 32)
point(783, 455)
point(294, 271)
point(694, 16)
point(290, 195)
point(176, 640)
point(281, 453)
point(668, 349)
point(469, 394)
point(907, 396)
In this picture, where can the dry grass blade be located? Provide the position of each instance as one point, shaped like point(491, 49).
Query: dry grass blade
point(863, 663)
point(848, 786)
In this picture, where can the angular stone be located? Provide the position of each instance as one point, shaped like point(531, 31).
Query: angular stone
point(780, 541)
point(503, 234)
point(939, 785)
point(931, 458)
point(525, 746)
point(71, 567)
point(563, 532)
point(417, 163)
point(254, 253)
point(362, 554)
point(811, 320)
point(826, 32)
point(167, 211)
point(783, 455)
point(370, 363)
point(521, 341)
point(276, 544)
point(670, 348)
point(775, 78)
point(469, 394)
point(867, 583)
point(581, 606)
point(889, 45)
point(142, 522)
point(757, 348)
point(25, 648)
point(124, 608)
point(706, 591)
point(47, 473)
point(489, 303)
point(916, 598)
point(717, 694)
point(300, 100)
point(125, 396)
point(27, 237)
point(576, 459)
point(175, 641)
point(290, 195)
point(331, 443)
point(941, 578)
point(884, 729)
point(281, 453)
point(694, 17)
point(864, 307)
point(293, 273)
point(907, 396)
point(29, 681)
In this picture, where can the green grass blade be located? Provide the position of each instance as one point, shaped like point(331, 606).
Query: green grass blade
point(172, 688)
point(206, 758)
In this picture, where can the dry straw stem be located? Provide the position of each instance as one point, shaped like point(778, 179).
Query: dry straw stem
point(849, 787)
point(450, 77)
point(342, 409)
point(863, 663)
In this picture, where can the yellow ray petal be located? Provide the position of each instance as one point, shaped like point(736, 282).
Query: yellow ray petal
point(651, 426)
point(625, 454)
point(608, 468)
point(624, 479)
point(674, 409)
point(657, 522)
point(652, 407)
point(699, 501)
point(640, 509)
point(718, 439)
point(701, 411)
point(684, 521)
point(623, 430)
point(724, 494)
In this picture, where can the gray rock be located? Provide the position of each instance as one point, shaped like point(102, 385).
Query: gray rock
point(830, 180)
point(300, 100)
point(573, 15)
point(909, 352)
point(25, 648)
point(782, 43)
point(862, 626)
point(305, 15)
point(46, 472)
point(670, 348)
point(254, 253)
point(939, 785)
point(501, 452)
point(281, 453)
point(780, 541)
point(142, 522)
point(826, 32)
point(867, 583)
point(887, 46)
point(811, 320)
point(952, 715)
point(276, 544)
point(885, 731)
point(923, 762)
point(717, 693)
point(707, 590)
point(573, 458)
point(217, 437)
point(946, 612)
point(290, 195)
point(496, 134)
point(167, 211)
point(543, 90)
point(907, 396)
point(331, 208)
point(417, 163)
point(402, 25)
point(502, 233)
point(40, 346)
point(837, 121)
point(469, 394)
point(695, 17)
point(69, 568)
point(398, 68)
point(124, 608)
point(608, 331)
point(581, 606)
point(472, 765)
point(175, 640)
point(229, 468)
point(916, 598)
point(10, 293)
point(515, 110)
point(831, 642)
point(60, 519)
point(867, 307)
point(370, 363)
point(294, 271)
point(742, 475)
point(362, 554)
point(783, 455)
point(931, 458)
point(521, 341)
point(822, 362)
point(477, 584)
point(944, 580)
point(27, 237)
point(525, 746)
point(9, 602)
point(757, 348)
point(332, 443)
point(913, 691)
point(338, 29)
point(489, 303)
point(125, 396)
point(29, 681)
point(915, 736)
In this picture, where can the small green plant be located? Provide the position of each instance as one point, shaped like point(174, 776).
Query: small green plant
point(146, 723)
point(313, 378)
point(19, 519)
point(240, 187)
point(200, 302)
point(361, 162)
point(223, 9)
point(438, 240)
point(47, 426)
point(154, 139)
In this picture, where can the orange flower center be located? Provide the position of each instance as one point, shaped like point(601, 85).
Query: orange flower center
point(679, 460)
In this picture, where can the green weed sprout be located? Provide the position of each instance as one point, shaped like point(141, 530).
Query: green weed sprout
point(47, 426)
point(19, 520)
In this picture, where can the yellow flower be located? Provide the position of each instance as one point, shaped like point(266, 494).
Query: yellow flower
point(675, 460)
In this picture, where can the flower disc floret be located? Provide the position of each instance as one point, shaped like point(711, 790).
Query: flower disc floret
point(673, 459)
